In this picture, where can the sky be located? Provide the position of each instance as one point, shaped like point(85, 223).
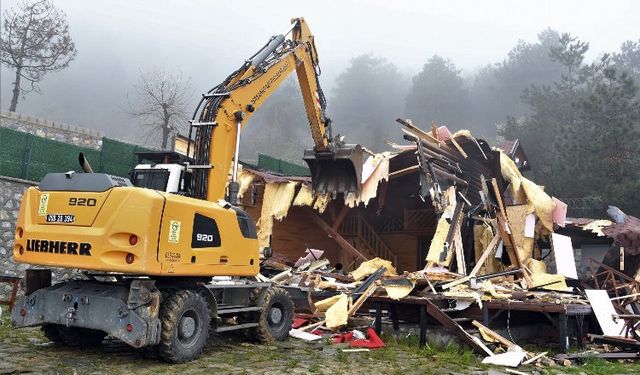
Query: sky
point(207, 40)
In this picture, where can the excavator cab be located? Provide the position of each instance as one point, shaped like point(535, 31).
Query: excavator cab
point(337, 170)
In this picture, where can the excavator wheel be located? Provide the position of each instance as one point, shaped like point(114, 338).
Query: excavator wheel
point(276, 316)
point(185, 318)
point(73, 336)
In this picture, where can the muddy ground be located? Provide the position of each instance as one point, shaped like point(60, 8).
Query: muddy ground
point(27, 351)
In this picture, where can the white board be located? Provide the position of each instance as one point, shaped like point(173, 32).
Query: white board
point(563, 252)
point(530, 226)
point(510, 359)
point(603, 308)
point(306, 336)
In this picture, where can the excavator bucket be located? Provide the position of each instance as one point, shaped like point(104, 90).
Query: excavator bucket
point(336, 171)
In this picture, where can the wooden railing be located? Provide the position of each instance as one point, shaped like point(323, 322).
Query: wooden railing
point(356, 225)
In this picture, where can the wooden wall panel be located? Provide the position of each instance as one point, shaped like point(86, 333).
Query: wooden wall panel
point(292, 235)
point(406, 247)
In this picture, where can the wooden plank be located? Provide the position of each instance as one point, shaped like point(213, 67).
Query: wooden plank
point(417, 132)
point(404, 172)
point(476, 268)
point(507, 237)
point(335, 235)
point(458, 147)
point(534, 358)
point(494, 335)
point(363, 297)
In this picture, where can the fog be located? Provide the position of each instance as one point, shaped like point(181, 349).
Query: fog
point(206, 40)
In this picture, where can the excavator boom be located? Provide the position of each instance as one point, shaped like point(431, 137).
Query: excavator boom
point(218, 120)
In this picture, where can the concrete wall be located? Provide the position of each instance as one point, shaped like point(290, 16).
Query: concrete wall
point(52, 129)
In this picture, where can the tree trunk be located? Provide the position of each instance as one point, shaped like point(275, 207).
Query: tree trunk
point(16, 90)
point(165, 134)
point(165, 126)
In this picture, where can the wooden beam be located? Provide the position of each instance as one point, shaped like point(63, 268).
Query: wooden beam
point(335, 235)
point(403, 172)
point(417, 132)
point(476, 268)
point(505, 231)
point(337, 222)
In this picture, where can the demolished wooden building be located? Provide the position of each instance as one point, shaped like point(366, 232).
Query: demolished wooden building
point(396, 221)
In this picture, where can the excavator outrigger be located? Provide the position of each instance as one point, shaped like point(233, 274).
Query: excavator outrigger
point(151, 252)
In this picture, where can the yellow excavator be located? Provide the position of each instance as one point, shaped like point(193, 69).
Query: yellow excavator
point(169, 258)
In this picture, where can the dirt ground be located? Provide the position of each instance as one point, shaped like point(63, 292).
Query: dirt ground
point(28, 351)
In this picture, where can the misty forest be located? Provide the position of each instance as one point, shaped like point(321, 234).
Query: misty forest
point(578, 119)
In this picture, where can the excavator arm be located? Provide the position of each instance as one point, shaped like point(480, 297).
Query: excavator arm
point(218, 120)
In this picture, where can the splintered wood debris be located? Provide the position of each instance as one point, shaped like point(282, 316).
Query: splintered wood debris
point(495, 265)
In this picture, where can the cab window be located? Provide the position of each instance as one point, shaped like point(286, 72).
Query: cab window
point(155, 179)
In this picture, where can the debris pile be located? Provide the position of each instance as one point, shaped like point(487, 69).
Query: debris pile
point(495, 249)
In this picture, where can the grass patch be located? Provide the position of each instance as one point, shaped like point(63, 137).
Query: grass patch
point(5, 325)
point(599, 366)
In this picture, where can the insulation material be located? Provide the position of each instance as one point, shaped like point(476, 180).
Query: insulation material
point(536, 198)
point(450, 194)
point(275, 204)
point(549, 281)
point(437, 244)
point(283, 198)
point(536, 266)
point(398, 291)
point(597, 226)
point(375, 170)
point(304, 196)
point(245, 178)
point(517, 216)
point(462, 133)
point(486, 336)
point(265, 228)
point(482, 236)
point(321, 203)
point(367, 268)
point(540, 277)
point(324, 304)
point(338, 314)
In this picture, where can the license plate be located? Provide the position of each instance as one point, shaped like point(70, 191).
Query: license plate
point(60, 218)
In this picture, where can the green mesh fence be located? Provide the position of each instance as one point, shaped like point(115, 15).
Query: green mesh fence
point(26, 156)
point(272, 164)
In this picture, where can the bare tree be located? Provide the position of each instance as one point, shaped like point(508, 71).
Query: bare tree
point(34, 42)
point(163, 99)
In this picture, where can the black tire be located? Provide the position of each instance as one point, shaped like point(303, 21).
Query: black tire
point(73, 336)
point(276, 316)
point(185, 318)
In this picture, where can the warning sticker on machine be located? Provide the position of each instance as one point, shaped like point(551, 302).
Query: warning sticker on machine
point(174, 231)
point(44, 201)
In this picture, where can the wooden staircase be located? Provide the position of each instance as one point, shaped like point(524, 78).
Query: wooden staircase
point(355, 226)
